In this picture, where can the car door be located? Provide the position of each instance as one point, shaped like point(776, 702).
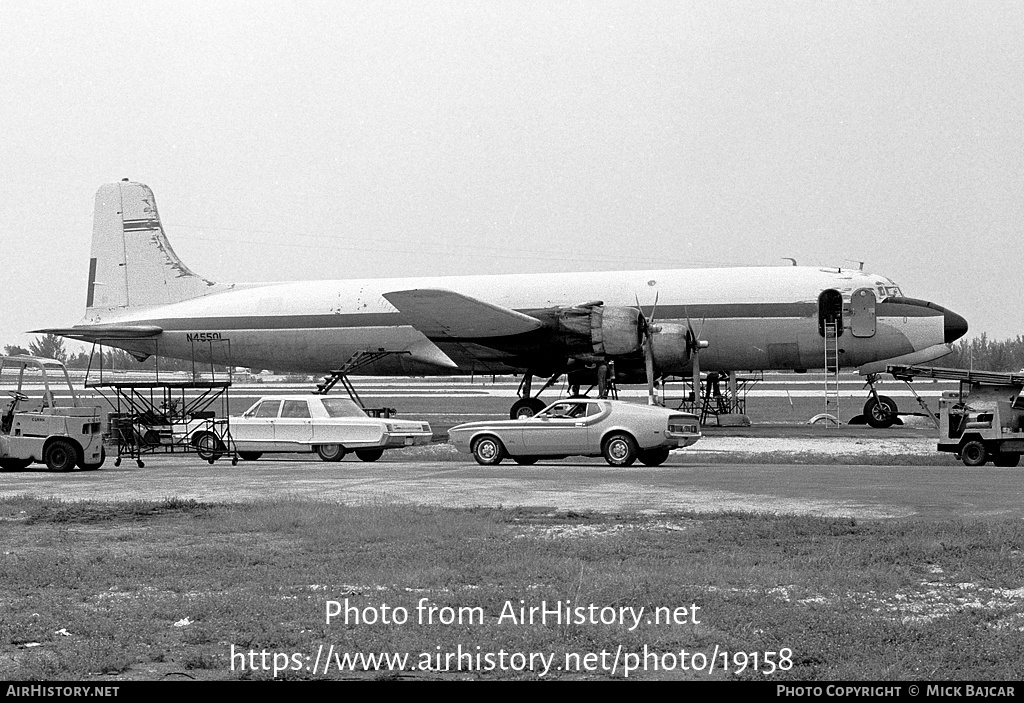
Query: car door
point(254, 431)
point(293, 429)
point(560, 429)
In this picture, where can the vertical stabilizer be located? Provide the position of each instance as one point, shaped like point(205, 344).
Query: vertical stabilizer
point(132, 264)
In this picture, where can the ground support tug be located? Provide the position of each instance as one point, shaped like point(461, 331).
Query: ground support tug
point(36, 427)
point(984, 420)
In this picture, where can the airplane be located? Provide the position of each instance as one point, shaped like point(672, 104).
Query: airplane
point(621, 326)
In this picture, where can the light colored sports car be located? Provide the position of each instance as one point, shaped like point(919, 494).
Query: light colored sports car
point(328, 425)
point(621, 432)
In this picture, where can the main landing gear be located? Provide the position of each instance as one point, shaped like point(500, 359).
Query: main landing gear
point(529, 405)
point(879, 410)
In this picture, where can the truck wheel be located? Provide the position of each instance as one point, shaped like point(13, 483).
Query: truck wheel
point(61, 455)
point(973, 453)
point(488, 450)
point(880, 413)
point(369, 454)
point(1009, 460)
point(619, 449)
point(330, 452)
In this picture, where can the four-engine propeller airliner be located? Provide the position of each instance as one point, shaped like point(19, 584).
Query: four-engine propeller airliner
point(143, 299)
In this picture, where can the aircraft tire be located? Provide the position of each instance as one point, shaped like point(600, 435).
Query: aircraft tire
point(1006, 459)
point(619, 449)
point(526, 407)
point(488, 450)
point(369, 454)
point(973, 453)
point(60, 455)
point(330, 452)
point(880, 413)
point(653, 457)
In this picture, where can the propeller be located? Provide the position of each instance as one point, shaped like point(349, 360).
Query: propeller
point(648, 329)
point(693, 346)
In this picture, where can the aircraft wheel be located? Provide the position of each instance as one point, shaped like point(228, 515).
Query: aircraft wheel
point(209, 446)
point(93, 467)
point(369, 454)
point(525, 460)
point(250, 456)
point(974, 454)
point(653, 457)
point(61, 455)
point(880, 413)
point(526, 407)
point(330, 452)
point(14, 464)
point(619, 449)
point(488, 450)
point(1008, 460)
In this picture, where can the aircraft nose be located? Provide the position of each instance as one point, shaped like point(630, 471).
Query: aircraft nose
point(956, 326)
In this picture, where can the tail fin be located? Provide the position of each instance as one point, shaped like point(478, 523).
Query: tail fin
point(132, 263)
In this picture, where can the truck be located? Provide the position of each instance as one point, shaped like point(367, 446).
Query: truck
point(38, 426)
point(983, 420)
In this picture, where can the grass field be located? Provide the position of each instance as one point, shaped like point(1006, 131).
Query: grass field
point(155, 590)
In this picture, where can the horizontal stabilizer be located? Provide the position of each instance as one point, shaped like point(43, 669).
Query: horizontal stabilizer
point(93, 333)
point(444, 313)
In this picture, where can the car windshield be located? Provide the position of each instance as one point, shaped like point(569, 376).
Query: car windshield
point(342, 407)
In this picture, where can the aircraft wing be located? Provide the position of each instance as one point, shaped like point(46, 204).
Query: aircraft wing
point(440, 313)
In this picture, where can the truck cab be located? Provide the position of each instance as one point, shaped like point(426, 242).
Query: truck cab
point(37, 425)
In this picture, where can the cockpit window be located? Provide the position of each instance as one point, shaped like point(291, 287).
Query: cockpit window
point(889, 291)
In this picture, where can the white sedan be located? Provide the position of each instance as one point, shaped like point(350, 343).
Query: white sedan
point(329, 426)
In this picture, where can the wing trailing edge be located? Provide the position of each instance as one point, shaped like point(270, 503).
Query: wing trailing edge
point(439, 313)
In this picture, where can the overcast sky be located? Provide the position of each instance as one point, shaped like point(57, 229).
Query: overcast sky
point(302, 140)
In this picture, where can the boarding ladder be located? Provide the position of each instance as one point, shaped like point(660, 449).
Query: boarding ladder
point(832, 370)
point(357, 360)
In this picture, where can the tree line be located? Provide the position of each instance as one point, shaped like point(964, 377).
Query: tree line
point(50, 346)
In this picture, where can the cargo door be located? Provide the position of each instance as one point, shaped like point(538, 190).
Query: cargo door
point(862, 313)
point(830, 311)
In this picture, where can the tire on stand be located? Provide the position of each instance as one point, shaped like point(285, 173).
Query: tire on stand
point(209, 447)
point(330, 452)
point(619, 449)
point(880, 412)
point(526, 407)
point(488, 450)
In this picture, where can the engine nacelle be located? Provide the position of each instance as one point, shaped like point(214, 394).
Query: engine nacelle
point(670, 344)
point(594, 333)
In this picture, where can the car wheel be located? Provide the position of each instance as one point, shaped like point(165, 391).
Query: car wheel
point(209, 446)
point(653, 457)
point(93, 467)
point(880, 412)
point(14, 464)
point(250, 456)
point(488, 450)
point(1007, 460)
point(619, 449)
point(973, 453)
point(525, 460)
point(370, 454)
point(526, 407)
point(61, 455)
point(330, 452)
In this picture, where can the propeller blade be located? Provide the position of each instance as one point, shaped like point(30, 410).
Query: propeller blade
point(649, 368)
point(695, 371)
